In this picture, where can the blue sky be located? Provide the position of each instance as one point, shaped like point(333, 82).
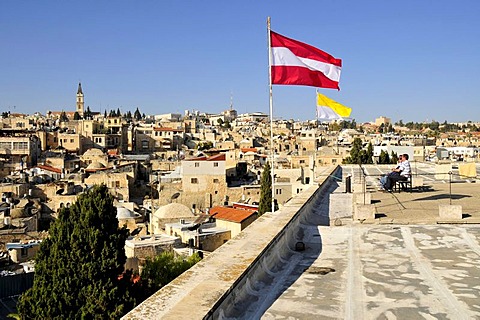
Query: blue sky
point(411, 60)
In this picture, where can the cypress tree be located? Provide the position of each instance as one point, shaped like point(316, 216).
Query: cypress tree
point(369, 154)
point(137, 115)
point(78, 267)
point(265, 204)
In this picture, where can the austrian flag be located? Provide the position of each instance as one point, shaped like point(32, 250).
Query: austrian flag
point(297, 63)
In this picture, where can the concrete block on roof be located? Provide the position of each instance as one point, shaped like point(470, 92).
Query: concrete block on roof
point(417, 182)
point(450, 212)
point(362, 198)
point(358, 187)
point(442, 171)
point(364, 212)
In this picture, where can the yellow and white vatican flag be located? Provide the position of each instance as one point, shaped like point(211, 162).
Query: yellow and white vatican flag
point(328, 109)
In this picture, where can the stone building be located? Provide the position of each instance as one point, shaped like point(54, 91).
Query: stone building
point(173, 212)
point(23, 251)
point(18, 150)
point(204, 180)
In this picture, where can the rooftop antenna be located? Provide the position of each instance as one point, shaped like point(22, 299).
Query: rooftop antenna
point(231, 100)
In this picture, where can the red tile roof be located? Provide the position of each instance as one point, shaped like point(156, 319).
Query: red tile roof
point(217, 157)
point(49, 168)
point(166, 129)
point(231, 214)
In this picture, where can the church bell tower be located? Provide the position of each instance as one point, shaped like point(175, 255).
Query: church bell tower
point(80, 102)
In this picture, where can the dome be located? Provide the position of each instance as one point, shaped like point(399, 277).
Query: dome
point(93, 152)
point(95, 165)
point(173, 210)
point(124, 213)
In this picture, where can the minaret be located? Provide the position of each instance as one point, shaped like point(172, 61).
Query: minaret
point(80, 102)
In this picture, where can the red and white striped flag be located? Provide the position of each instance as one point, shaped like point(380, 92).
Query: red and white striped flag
point(297, 63)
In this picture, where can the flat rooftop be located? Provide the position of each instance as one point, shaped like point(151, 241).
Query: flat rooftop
point(405, 264)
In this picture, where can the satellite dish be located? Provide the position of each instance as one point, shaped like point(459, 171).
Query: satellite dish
point(60, 191)
point(175, 195)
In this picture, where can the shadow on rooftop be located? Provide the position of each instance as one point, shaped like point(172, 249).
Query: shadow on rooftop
point(443, 196)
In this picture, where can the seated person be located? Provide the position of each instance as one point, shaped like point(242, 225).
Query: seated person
point(383, 179)
point(401, 172)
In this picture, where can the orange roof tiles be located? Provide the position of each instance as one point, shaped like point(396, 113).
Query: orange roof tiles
point(49, 168)
point(231, 214)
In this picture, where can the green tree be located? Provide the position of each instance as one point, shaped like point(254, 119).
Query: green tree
point(78, 267)
point(393, 158)
point(63, 117)
point(334, 127)
point(118, 114)
point(265, 204)
point(162, 269)
point(105, 113)
point(88, 113)
point(76, 116)
point(355, 152)
point(205, 145)
point(368, 154)
point(384, 158)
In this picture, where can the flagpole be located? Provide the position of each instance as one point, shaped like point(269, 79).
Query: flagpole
point(272, 150)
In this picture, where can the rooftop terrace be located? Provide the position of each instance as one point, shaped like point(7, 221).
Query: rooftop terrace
point(405, 263)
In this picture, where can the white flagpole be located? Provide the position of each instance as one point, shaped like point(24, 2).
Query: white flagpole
point(272, 150)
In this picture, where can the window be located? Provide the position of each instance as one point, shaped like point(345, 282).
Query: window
point(71, 140)
point(302, 161)
point(24, 252)
point(334, 161)
point(20, 145)
point(197, 164)
point(144, 144)
point(117, 184)
point(194, 180)
point(278, 191)
point(215, 180)
point(215, 164)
